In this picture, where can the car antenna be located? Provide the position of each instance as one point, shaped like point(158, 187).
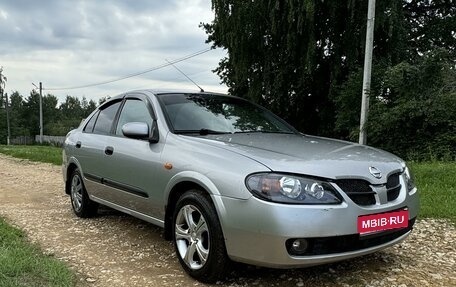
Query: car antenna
point(201, 89)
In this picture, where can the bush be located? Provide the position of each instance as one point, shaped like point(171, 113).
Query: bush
point(414, 113)
point(412, 108)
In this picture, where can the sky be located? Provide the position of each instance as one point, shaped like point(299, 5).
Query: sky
point(71, 43)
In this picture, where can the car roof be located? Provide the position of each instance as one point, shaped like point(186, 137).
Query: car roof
point(151, 92)
point(164, 92)
point(176, 91)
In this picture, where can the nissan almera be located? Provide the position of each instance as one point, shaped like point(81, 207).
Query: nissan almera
point(230, 181)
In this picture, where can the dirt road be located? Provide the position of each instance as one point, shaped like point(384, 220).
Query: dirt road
point(118, 250)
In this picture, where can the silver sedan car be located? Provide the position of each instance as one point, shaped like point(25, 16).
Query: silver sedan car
point(230, 181)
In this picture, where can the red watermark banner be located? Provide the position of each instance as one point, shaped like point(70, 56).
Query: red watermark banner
point(382, 221)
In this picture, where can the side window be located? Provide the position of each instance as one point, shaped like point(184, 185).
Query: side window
point(105, 119)
point(133, 111)
point(89, 126)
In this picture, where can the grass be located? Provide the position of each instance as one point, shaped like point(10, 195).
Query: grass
point(22, 264)
point(47, 154)
point(436, 183)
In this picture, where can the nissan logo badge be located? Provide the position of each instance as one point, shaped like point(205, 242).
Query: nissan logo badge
point(375, 172)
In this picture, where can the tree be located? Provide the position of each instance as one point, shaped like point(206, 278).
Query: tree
point(91, 106)
point(3, 127)
point(304, 59)
point(431, 25)
point(292, 55)
point(58, 119)
point(50, 112)
point(71, 108)
point(30, 114)
point(3, 80)
point(87, 106)
point(16, 111)
point(416, 107)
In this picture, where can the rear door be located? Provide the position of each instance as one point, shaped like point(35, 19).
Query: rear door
point(91, 145)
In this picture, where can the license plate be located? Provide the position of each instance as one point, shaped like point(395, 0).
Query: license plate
point(382, 221)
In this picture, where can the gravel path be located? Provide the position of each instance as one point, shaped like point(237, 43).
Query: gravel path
point(118, 250)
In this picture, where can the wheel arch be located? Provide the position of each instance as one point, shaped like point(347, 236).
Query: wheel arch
point(72, 166)
point(180, 184)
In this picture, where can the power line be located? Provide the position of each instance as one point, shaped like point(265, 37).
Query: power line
point(134, 74)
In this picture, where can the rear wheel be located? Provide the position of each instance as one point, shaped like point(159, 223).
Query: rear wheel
point(198, 238)
point(80, 201)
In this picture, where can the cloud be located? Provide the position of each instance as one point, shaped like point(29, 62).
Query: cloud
point(69, 43)
point(98, 24)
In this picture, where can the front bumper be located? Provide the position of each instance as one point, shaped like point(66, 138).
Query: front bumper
point(256, 231)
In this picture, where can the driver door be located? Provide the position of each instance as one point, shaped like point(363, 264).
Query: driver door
point(132, 166)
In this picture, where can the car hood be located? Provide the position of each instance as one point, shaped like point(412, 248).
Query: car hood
point(310, 155)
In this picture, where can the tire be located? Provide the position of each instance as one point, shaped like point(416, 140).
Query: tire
point(82, 205)
point(198, 238)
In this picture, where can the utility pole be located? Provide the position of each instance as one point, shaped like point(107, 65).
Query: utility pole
point(7, 120)
point(41, 111)
point(3, 80)
point(367, 71)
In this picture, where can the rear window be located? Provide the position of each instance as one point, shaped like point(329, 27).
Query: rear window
point(89, 126)
point(105, 119)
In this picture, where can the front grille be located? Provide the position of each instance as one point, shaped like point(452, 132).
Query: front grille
point(393, 186)
point(347, 243)
point(393, 180)
point(361, 192)
point(358, 190)
point(392, 194)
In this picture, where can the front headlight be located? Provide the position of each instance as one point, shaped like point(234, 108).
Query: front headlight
point(409, 179)
point(291, 189)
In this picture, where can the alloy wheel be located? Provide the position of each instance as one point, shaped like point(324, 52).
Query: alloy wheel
point(192, 237)
point(76, 192)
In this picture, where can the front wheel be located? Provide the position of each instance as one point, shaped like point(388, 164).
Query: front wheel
point(82, 205)
point(198, 238)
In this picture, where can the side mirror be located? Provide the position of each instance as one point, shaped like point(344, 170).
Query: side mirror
point(136, 130)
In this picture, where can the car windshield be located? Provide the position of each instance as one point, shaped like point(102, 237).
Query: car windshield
point(217, 114)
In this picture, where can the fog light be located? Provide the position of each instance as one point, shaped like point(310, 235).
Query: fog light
point(299, 245)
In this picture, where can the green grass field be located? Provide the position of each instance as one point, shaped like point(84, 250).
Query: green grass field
point(47, 154)
point(436, 183)
point(22, 264)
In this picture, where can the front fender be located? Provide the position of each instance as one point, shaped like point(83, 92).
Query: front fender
point(190, 176)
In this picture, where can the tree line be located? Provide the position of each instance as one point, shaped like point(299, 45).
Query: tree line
point(303, 59)
point(58, 119)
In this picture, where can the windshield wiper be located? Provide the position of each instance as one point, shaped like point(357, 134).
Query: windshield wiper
point(202, 132)
point(265, 132)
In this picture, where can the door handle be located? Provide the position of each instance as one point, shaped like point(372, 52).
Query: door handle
point(78, 144)
point(109, 150)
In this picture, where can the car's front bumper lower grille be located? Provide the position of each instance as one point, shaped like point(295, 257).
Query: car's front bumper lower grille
point(347, 243)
